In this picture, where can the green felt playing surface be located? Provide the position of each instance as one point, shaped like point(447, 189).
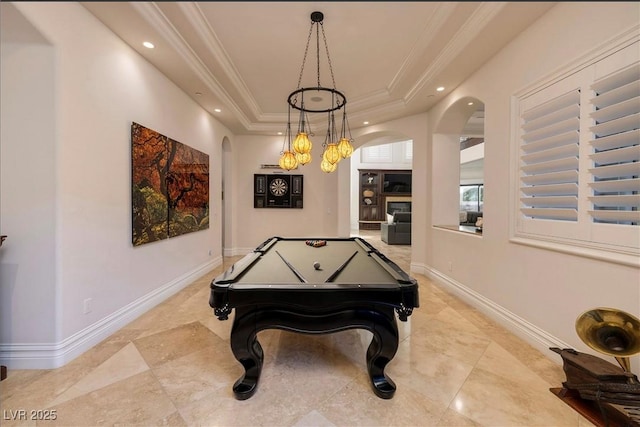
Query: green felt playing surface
point(362, 269)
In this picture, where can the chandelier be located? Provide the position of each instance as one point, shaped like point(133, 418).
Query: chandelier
point(316, 99)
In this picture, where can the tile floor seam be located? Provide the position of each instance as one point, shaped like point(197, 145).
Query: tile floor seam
point(164, 391)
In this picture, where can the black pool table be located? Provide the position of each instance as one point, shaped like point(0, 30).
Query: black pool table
point(277, 286)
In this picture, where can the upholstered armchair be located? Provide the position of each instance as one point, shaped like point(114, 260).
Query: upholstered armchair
point(398, 231)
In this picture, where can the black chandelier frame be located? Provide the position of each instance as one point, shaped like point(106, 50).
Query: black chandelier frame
point(338, 98)
point(337, 144)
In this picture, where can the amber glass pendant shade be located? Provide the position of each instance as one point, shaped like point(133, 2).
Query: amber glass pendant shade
point(345, 148)
point(302, 144)
point(328, 167)
point(288, 161)
point(303, 158)
point(332, 154)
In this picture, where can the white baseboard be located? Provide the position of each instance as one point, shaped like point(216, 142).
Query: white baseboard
point(50, 356)
point(533, 335)
point(54, 355)
point(237, 251)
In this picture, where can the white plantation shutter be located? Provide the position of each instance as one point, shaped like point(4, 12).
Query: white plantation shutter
point(615, 173)
point(408, 150)
point(549, 159)
point(578, 159)
point(377, 154)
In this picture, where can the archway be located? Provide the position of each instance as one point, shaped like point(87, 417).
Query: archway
point(395, 144)
point(462, 120)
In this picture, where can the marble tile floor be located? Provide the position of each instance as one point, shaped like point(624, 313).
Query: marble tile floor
point(173, 367)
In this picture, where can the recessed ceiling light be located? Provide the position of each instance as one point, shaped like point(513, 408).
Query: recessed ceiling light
point(440, 89)
point(148, 45)
point(279, 133)
point(217, 110)
point(365, 123)
point(470, 103)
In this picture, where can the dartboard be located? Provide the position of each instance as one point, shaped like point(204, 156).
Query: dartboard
point(278, 187)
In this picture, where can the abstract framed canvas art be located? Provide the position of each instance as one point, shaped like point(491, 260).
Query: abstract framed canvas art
point(169, 188)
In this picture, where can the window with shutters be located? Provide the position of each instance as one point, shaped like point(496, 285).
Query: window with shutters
point(377, 154)
point(408, 151)
point(578, 159)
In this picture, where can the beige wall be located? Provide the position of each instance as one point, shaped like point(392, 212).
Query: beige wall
point(78, 141)
point(536, 292)
point(318, 217)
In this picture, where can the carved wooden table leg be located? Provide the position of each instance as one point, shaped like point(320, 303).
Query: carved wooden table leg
point(383, 347)
point(247, 350)
point(378, 319)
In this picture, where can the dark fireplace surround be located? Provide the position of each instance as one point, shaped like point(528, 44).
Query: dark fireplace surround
point(398, 206)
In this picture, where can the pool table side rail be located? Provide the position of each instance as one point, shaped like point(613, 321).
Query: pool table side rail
point(235, 272)
point(225, 297)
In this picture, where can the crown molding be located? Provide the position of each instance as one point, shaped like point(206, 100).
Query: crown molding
point(432, 26)
point(150, 12)
point(196, 18)
point(480, 18)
